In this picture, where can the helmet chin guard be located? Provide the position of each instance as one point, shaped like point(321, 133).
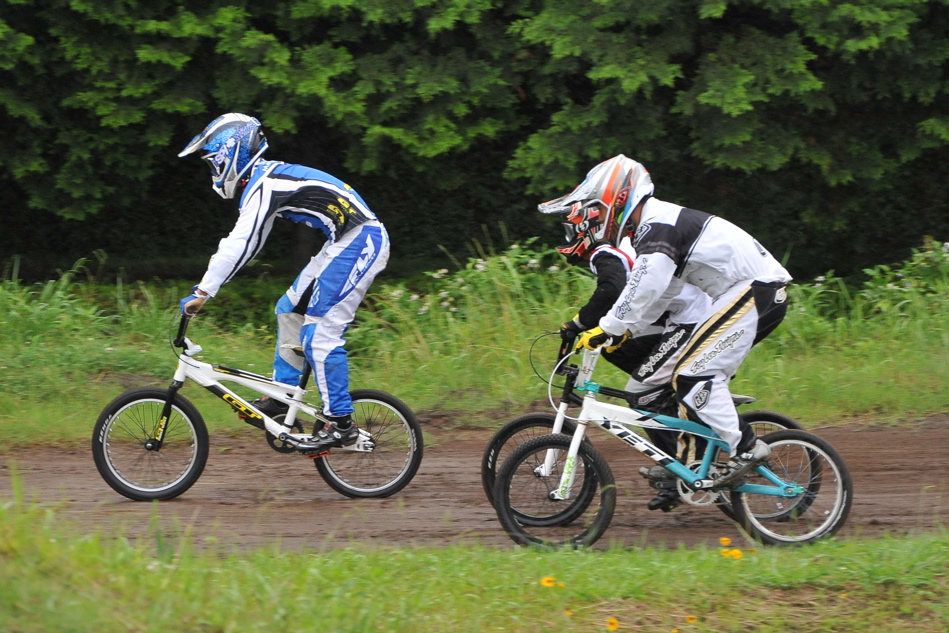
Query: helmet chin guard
point(233, 142)
point(598, 209)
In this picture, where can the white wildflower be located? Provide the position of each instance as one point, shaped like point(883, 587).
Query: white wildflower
point(481, 265)
point(554, 268)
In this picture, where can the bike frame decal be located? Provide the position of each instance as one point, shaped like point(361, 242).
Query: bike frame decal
point(236, 403)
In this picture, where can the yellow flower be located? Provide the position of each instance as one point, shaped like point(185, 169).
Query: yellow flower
point(561, 584)
point(736, 554)
point(725, 541)
point(691, 619)
point(567, 612)
point(845, 595)
point(612, 624)
point(548, 581)
point(675, 630)
point(726, 552)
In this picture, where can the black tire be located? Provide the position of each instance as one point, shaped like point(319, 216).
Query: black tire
point(520, 491)
point(509, 437)
point(764, 423)
point(119, 445)
point(811, 462)
point(394, 460)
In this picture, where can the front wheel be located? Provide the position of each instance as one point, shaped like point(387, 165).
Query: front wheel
point(508, 438)
point(526, 483)
point(132, 462)
point(395, 455)
point(822, 508)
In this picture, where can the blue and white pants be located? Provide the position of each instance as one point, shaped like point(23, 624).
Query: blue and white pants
point(320, 305)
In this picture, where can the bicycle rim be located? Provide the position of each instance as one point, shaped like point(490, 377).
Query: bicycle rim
point(818, 512)
point(394, 460)
point(523, 490)
point(144, 471)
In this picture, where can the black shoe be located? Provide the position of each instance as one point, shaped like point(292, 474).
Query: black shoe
point(667, 501)
point(657, 473)
point(338, 431)
point(273, 409)
point(270, 407)
point(743, 463)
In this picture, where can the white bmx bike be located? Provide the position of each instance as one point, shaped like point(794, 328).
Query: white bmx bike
point(151, 443)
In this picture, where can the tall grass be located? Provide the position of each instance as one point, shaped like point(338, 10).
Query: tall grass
point(459, 343)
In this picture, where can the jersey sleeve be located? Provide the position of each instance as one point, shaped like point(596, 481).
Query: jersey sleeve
point(645, 296)
point(610, 279)
point(242, 244)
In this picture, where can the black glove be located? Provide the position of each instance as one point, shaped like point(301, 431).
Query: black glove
point(569, 330)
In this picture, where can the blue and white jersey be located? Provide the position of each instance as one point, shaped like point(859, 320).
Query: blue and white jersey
point(297, 193)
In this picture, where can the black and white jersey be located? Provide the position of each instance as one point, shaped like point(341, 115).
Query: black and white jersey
point(676, 246)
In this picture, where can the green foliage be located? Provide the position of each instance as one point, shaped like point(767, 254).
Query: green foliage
point(451, 109)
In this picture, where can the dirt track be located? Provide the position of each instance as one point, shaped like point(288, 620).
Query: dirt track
point(250, 496)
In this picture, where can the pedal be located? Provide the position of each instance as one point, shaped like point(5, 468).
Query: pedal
point(665, 501)
point(317, 455)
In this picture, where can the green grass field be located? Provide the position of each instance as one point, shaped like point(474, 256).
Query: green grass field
point(459, 341)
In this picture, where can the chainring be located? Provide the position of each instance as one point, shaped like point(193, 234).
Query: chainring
point(701, 498)
point(279, 445)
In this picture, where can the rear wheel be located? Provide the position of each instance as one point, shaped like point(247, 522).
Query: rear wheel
point(525, 488)
point(130, 459)
point(822, 508)
point(763, 423)
point(394, 446)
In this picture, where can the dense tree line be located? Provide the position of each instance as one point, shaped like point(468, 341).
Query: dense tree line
point(820, 126)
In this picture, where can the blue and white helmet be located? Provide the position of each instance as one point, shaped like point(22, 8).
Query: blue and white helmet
point(233, 143)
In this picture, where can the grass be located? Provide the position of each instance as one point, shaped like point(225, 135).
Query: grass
point(52, 580)
point(459, 344)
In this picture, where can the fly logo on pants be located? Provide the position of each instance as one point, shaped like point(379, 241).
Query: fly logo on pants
point(366, 257)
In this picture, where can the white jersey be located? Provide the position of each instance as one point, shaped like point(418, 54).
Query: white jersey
point(676, 246)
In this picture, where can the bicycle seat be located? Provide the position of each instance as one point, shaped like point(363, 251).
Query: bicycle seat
point(739, 399)
point(296, 349)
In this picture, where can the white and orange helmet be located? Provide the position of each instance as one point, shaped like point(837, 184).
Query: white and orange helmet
point(599, 208)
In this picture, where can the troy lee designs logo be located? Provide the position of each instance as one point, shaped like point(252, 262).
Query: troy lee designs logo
point(726, 343)
point(647, 368)
point(638, 271)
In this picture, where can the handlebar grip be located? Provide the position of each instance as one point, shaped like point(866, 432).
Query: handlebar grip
point(182, 330)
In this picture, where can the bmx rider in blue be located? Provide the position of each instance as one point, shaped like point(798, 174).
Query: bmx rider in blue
point(318, 308)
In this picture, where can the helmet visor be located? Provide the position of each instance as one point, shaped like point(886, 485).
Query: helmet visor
point(217, 162)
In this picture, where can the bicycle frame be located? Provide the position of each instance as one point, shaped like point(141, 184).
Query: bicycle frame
point(617, 420)
point(211, 378)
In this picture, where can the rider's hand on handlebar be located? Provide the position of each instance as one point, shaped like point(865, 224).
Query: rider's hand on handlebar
point(596, 338)
point(569, 331)
point(191, 304)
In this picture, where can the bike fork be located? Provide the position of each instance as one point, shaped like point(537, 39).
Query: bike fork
point(155, 443)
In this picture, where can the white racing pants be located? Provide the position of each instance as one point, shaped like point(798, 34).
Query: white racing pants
point(737, 320)
point(320, 305)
